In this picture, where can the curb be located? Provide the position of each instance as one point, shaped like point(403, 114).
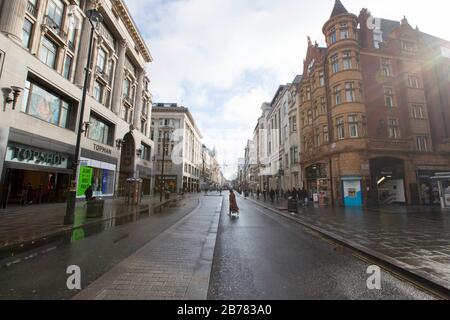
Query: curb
point(441, 290)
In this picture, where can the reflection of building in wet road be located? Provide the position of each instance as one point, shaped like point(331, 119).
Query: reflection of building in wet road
point(37, 139)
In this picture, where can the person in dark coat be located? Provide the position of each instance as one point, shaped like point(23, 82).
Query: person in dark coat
point(272, 195)
point(233, 203)
point(294, 194)
point(89, 194)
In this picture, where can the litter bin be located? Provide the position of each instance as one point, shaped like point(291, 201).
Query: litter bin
point(292, 205)
point(94, 208)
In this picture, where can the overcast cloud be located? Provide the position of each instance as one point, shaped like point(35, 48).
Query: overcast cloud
point(224, 58)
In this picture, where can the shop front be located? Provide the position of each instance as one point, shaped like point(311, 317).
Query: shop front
point(33, 175)
point(170, 183)
point(428, 188)
point(318, 183)
point(443, 181)
point(100, 175)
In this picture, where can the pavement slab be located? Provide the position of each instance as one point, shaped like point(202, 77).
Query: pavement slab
point(175, 265)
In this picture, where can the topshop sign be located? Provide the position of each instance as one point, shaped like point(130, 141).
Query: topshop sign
point(30, 155)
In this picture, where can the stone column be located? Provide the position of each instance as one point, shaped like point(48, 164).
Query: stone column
point(118, 78)
point(83, 48)
point(12, 18)
point(138, 101)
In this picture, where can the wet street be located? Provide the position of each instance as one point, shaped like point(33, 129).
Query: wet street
point(261, 255)
point(41, 274)
point(264, 256)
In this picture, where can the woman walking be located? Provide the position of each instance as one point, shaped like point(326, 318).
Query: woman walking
point(233, 203)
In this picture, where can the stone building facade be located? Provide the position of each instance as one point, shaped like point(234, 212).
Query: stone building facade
point(43, 55)
point(374, 113)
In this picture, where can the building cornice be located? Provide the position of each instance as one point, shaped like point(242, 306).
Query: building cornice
point(126, 17)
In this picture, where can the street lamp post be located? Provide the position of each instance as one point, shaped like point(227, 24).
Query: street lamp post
point(161, 182)
point(95, 18)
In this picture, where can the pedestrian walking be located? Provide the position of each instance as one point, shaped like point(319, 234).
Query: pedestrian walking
point(29, 193)
point(258, 192)
point(265, 195)
point(294, 194)
point(272, 195)
point(233, 203)
point(24, 195)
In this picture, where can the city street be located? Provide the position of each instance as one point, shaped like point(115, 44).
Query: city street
point(265, 256)
point(261, 255)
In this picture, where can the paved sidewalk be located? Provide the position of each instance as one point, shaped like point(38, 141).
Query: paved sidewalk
point(175, 265)
point(20, 225)
point(416, 239)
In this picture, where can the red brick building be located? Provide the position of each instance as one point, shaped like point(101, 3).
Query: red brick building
point(375, 113)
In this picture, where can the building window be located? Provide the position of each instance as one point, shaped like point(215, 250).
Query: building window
point(42, 104)
point(422, 145)
point(333, 36)
point(349, 92)
point(294, 155)
point(413, 82)
point(385, 67)
point(127, 114)
point(55, 12)
point(72, 34)
point(353, 126)
point(310, 117)
point(100, 130)
point(47, 53)
point(101, 60)
point(323, 105)
point(146, 152)
point(321, 79)
point(67, 67)
point(337, 95)
point(317, 137)
point(326, 136)
point(340, 128)
point(26, 33)
point(377, 38)
point(293, 121)
point(394, 132)
point(127, 88)
point(389, 97)
point(417, 111)
point(409, 46)
point(98, 92)
point(308, 93)
point(344, 31)
point(347, 60)
point(335, 63)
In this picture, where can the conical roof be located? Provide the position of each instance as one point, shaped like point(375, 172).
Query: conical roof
point(338, 9)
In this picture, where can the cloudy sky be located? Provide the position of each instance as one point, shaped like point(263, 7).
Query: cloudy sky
point(224, 58)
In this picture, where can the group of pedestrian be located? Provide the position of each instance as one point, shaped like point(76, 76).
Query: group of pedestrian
point(275, 195)
point(29, 195)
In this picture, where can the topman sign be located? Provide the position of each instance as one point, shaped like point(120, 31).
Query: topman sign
point(35, 156)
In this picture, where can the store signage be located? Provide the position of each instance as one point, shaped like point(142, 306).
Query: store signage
point(102, 149)
point(35, 156)
point(84, 180)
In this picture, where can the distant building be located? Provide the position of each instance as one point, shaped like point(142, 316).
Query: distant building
point(183, 162)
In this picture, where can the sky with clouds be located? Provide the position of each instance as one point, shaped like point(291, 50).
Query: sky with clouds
point(224, 58)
